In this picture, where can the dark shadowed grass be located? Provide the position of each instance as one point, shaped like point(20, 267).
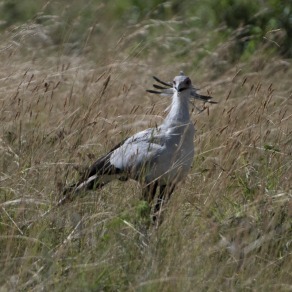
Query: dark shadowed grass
point(228, 227)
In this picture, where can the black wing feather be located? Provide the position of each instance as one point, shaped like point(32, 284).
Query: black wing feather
point(102, 166)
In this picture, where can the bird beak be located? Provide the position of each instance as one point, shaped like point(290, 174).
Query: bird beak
point(180, 88)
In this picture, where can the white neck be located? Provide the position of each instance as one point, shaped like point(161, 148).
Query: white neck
point(179, 111)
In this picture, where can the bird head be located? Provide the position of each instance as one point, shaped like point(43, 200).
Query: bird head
point(182, 84)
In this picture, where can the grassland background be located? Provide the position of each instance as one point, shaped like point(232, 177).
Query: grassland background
point(72, 82)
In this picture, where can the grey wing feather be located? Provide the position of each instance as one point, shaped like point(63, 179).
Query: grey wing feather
point(137, 150)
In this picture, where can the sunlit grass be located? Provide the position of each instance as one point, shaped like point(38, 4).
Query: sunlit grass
point(228, 227)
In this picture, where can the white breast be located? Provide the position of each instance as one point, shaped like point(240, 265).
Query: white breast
point(175, 161)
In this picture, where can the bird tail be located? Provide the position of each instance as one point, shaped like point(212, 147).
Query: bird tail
point(68, 194)
point(74, 190)
point(99, 174)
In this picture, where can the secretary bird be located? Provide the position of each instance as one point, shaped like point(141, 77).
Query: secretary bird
point(159, 158)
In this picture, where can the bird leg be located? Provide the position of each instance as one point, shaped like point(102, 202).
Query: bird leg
point(149, 192)
point(165, 191)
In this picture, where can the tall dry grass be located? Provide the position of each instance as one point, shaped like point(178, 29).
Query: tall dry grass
point(227, 228)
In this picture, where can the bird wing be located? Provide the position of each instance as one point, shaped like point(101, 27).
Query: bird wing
point(127, 156)
point(102, 165)
point(138, 150)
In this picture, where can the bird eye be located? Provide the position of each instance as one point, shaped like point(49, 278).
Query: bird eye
point(173, 82)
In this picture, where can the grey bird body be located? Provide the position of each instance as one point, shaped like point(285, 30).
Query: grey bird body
point(157, 157)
